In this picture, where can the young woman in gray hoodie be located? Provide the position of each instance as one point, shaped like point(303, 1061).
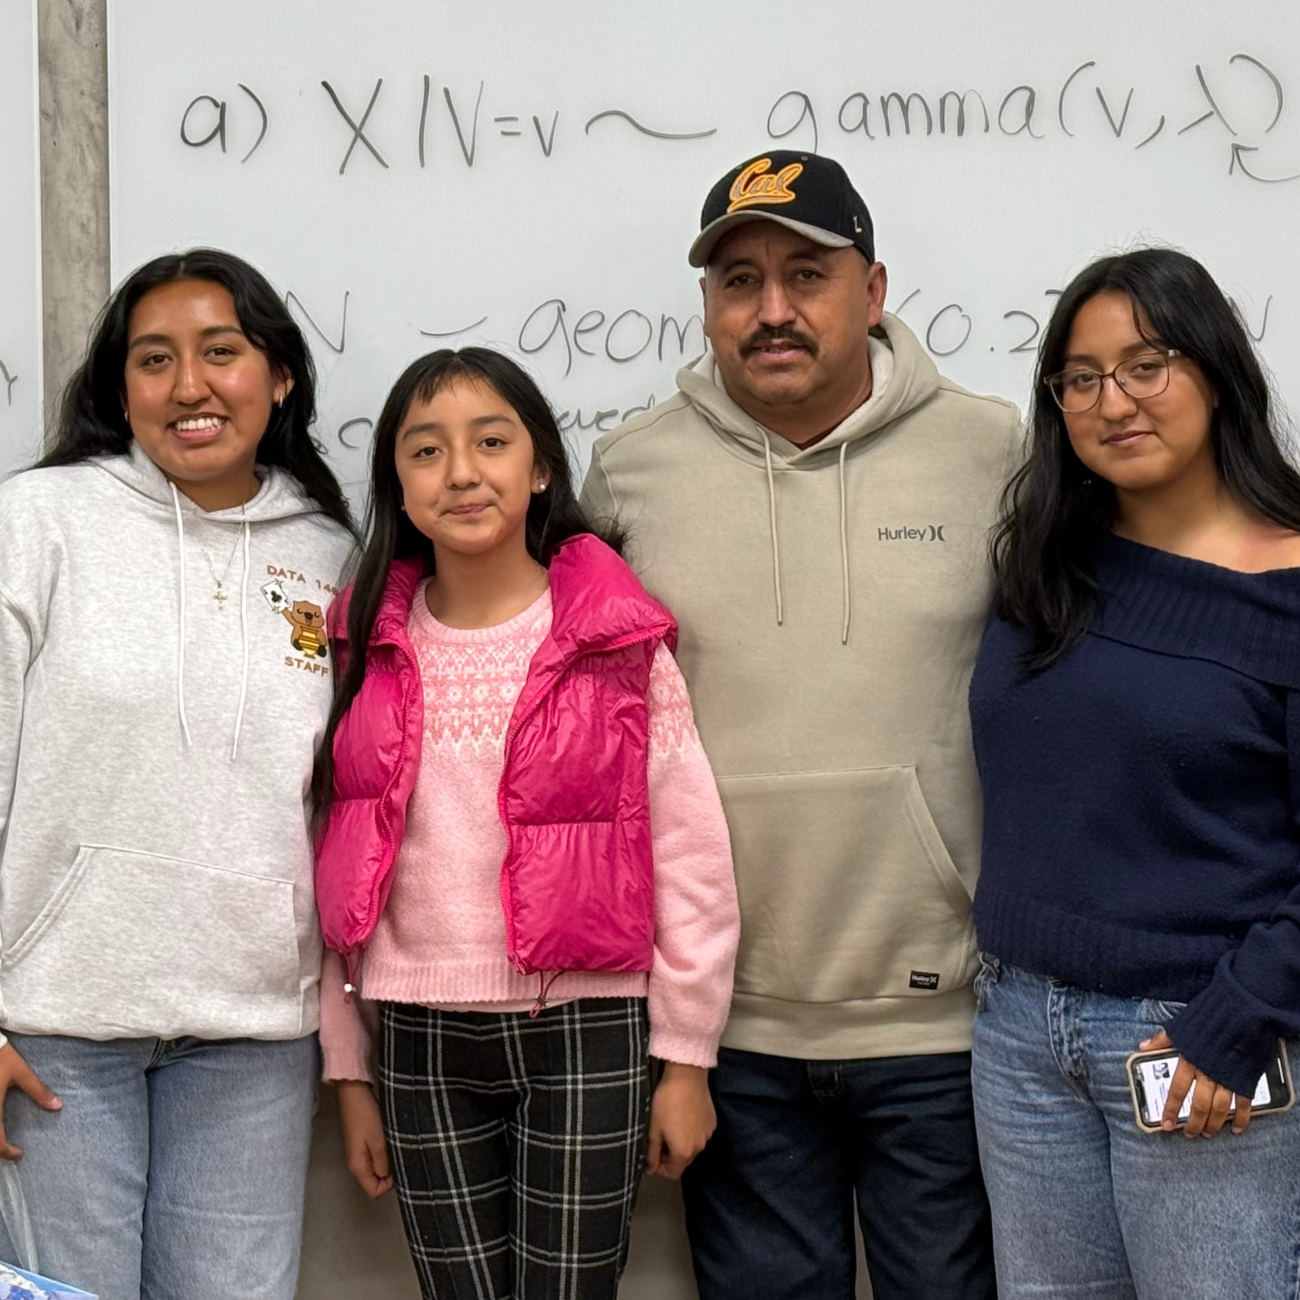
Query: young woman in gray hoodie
point(164, 678)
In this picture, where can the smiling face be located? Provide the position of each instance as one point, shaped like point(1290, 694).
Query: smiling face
point(467, 468)
point(198, 394)
point(1137, 445)
point(788, 321)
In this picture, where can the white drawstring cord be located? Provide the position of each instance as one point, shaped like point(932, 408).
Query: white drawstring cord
point(180, 652)
point(844, 549)
point(776, 541)
point(243, 631)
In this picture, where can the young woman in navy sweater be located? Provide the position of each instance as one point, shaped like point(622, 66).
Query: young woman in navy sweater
point(1136, 711)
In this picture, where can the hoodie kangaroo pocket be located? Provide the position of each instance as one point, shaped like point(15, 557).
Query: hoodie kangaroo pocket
point(135, 944)
point(846, 889)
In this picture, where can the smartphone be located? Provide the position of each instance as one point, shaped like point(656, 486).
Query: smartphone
point(1150, 1075)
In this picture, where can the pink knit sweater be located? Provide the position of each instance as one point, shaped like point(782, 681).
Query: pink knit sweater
point(441, 939)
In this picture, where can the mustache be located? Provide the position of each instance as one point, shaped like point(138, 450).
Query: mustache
point(775, 334)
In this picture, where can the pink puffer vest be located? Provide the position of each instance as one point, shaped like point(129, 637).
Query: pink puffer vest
point(577, 883)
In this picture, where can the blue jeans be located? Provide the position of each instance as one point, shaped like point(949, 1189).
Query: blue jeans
point(1085, 1204)
point(770, 1201)
point(175, 1170)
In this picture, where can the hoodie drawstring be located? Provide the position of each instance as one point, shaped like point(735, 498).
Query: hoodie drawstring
point(844, 548)
point(180, 651)
point(776, 537)
point(846, 586)
point(243, 625)
point(243, 632)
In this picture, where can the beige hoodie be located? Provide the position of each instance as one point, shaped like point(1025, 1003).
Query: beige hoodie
point(831, 602)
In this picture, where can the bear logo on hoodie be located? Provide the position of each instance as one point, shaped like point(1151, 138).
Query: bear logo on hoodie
point(308, 623)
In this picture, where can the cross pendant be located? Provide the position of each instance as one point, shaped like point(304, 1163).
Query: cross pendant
point(220, 597)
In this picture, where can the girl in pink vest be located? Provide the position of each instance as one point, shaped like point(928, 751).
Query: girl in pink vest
point(522, 859)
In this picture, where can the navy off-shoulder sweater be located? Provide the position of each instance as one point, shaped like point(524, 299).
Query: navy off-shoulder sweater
point(1141, 799)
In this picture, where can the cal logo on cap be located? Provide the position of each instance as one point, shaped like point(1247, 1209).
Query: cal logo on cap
point(757, 184)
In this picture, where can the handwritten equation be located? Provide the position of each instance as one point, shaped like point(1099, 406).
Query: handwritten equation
point(1066, 111)
point(557, 335)
point(353, 434)
point(617, 336)
point(554, 335)
point(950, 328)
point(8, 381)
point(1242, 99)
point(209, 120)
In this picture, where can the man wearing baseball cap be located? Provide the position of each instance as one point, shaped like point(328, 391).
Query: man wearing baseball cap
point(813, 504)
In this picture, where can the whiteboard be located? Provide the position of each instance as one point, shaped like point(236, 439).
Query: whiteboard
point(419, 173)
point(20, 238)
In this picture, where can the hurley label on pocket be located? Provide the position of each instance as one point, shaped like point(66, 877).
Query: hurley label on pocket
point(924, 979)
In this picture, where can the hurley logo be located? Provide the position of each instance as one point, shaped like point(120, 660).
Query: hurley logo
point(757, 184)
point(923, 533)
point(924, 979)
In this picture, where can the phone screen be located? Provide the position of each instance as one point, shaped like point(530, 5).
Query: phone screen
point(1157, 1074)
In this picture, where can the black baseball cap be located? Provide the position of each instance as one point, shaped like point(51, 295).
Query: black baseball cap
point(803, 191)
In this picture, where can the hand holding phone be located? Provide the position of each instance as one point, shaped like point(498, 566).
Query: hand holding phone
point(1209, 1104)
point(1169, 1092)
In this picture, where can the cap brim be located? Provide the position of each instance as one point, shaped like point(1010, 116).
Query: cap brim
point(709, 236)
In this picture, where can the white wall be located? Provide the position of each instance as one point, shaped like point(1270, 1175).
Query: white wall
point(494, 198)
point(20, 246)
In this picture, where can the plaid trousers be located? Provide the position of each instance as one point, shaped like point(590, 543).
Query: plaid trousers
point(517, 1144)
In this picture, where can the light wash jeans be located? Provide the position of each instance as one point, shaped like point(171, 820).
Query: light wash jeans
point(175, 1170)
point(1086, 1205)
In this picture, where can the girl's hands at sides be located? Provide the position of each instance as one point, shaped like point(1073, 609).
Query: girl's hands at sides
point(682, 1119)
point(1210, 1101)
point(364, 1148)
point(16, 1073)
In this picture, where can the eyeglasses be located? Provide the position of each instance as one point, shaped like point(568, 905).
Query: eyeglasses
point(1078, 389)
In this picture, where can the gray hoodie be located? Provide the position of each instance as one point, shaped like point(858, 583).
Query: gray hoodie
point(830, 600)
point(155, 753)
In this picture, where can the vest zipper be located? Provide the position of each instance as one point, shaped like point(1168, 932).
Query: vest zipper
point(511, 733)
point(354, 957)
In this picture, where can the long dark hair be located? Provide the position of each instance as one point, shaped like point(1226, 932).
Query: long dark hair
point(554, 514)
point(90, 418)
point(1053, 505)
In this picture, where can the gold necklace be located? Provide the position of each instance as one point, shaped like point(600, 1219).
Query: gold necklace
point(219, 594)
